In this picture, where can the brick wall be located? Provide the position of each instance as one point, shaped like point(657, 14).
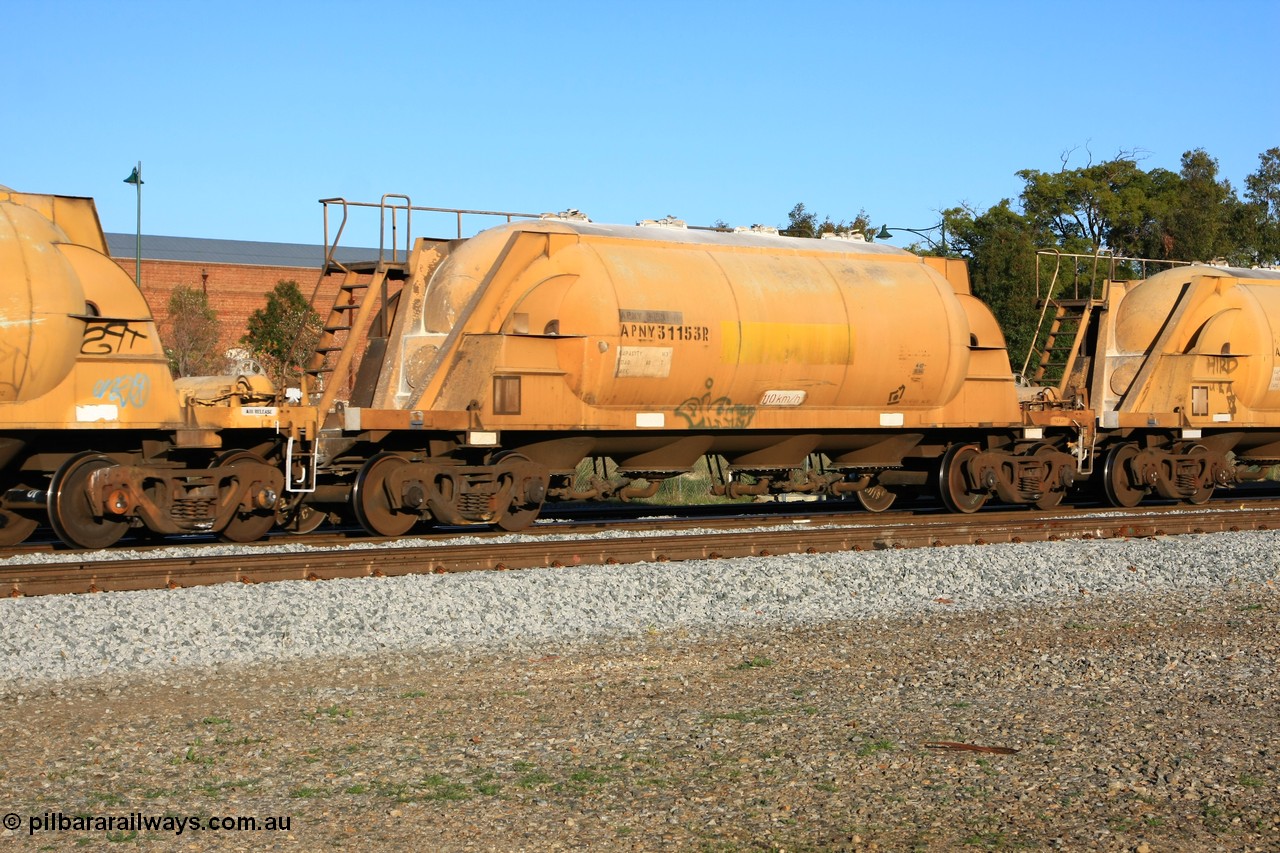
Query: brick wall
point(235, 291)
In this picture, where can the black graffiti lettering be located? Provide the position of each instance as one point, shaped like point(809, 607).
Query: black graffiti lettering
point(109, 337)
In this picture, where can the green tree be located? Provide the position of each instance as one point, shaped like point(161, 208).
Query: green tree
point(192, 333)
point(1115, 206)
point(804, 223)
point(1000, 246)
point(1141, 231)
point(1258, 222)
point(1085, 208)
point(283, 333)
point(801, 223)
point(1197, 220)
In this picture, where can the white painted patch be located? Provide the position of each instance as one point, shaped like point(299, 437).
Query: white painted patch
point(651, 419)
point(1275, 379)
point(482, 438)
point(1033, 432)
point(259, 411)
point(1222, 419)
point(102, 412)
point(644, 362)
point(783, 398)
point(891, 419)
point(1191, 433)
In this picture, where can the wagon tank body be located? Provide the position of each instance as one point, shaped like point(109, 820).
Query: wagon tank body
point(617, 328)
point(41, 296)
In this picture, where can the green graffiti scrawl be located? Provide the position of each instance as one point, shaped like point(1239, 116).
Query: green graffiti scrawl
point(704, 412)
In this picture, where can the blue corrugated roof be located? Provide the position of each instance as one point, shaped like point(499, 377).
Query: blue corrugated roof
point(241, 252)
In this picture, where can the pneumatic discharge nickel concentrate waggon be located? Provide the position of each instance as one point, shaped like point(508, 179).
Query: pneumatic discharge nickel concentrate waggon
point(464, 381)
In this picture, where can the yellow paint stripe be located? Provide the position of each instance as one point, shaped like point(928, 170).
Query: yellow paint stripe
point(786, 343)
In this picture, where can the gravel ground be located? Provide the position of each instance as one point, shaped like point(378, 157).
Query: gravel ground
point(59, 637)
point(779, 704)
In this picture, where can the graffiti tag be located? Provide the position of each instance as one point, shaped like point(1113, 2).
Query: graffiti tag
point(706, 412)
point(1223, 364)
point(124, 391)
point(106, 337)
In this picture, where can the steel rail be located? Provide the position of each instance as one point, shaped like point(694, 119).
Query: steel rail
point(794, 535)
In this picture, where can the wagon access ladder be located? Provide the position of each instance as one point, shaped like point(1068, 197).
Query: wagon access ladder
point(1068, 321)
point(364, 287)
point(345, 330)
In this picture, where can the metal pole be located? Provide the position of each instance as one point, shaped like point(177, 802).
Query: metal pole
point(137, 269)
point(136, 180)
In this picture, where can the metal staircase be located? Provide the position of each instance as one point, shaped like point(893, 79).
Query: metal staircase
point(1068, 324)
point(1069, 305)
point(363, 294)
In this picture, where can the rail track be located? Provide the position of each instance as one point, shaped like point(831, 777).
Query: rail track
point(580, 543)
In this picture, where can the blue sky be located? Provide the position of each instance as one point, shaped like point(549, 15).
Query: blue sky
point(244, 114)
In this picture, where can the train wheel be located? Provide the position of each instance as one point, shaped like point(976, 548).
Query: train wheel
point(526, 503)
point(372, 505)
point(875, 498)
point(245, 526)
point(71, 514)
point(951, 480)
point(1202, 493)
point(1116, 483)
point(1051, 497)
point(15, 528)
